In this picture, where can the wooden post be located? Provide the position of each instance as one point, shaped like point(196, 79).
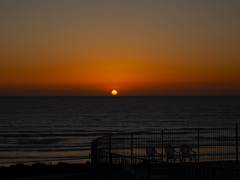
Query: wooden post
point(198, 145)
point(149, 170)
point(110, 149)
point(162, 144)
point(237, 156)
point(131, 148)
point(94, 153)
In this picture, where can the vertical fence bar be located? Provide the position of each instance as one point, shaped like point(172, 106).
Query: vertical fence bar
point(131, 146)
point(110, 149)
point(237, 157)
point(162, 143)
point(93, 153)
point(198, 144)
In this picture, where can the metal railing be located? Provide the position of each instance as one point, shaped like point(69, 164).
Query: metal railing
point(205, 144)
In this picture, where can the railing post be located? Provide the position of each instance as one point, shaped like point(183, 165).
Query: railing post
point(162, 143)
point(236, 138)
point(94, 153)
point(149, 170)
point(110, 149)
point(198, 145)
point(131, 148)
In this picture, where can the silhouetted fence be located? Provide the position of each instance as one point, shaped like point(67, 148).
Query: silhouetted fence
point(193, 145)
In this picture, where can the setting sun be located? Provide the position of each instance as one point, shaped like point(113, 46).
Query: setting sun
point(114, 92)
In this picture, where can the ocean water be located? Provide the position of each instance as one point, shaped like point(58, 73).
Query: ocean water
point(53, 129)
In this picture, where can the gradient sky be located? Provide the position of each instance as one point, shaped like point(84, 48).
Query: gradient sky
point(139, 47)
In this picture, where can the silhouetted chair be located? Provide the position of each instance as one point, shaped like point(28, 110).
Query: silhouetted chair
point(186, 153)
point(151, 152)
point(170, 153)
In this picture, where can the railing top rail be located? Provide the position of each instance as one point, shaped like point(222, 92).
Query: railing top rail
point(180, 130)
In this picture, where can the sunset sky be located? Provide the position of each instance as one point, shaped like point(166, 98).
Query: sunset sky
point(139, 47)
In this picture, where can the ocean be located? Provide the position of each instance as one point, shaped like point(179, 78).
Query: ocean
point(56, 129)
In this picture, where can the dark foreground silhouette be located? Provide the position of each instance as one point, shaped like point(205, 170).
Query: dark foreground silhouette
point(143, 171)
point(42, 171)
